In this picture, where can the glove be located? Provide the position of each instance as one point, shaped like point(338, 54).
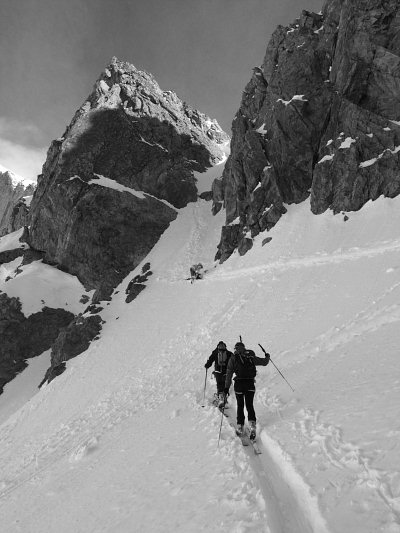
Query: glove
point(267, 357)
point(207, 365)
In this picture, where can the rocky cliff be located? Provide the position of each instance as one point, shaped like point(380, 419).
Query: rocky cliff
point(110, 187)
point(111, 184)
point(15, 194)
point(320, 118)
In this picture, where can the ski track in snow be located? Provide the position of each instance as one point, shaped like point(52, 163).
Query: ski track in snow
point(287, 509)
point(280, 494)
point(311, 261)
point(112, 411)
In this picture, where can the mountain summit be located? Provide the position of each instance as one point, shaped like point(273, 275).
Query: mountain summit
point(111, 184)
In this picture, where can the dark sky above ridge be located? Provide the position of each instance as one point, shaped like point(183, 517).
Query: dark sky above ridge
point(52, 52)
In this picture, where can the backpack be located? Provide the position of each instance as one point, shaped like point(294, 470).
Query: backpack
point(222, 358)
point(245, 367)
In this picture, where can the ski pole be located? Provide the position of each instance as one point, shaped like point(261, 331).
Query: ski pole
point(222, 418)
point(276, 367)
point(205, 385)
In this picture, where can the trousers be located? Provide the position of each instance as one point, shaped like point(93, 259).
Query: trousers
point(220, 379)
point(244, 391)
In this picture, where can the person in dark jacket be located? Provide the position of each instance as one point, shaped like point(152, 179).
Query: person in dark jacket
point(220, 357)
point(243, 365)
point(196, 272)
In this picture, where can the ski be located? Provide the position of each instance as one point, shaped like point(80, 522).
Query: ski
point(254, 443)
point(244, 438)
point(256, 448)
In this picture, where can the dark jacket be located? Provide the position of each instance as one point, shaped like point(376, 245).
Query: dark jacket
point(242, 371)
point(220, 368)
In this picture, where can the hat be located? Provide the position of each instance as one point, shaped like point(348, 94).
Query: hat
point(239, 345)
point(221, 344)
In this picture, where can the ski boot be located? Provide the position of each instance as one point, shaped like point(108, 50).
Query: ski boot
point(222, 400)
point(252, 434)
point(239, 430)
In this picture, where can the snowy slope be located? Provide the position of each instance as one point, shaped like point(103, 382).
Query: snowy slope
point(11, 241)
point(120, 443)
point(38, 284)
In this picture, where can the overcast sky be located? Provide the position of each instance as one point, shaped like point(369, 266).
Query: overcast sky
point(52, 52)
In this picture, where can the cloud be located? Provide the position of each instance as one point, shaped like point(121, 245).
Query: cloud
point(23, 161)
point(23, 133)
point(21, 148)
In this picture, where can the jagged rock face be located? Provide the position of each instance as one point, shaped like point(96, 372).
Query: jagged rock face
point(19, 217)
point(359, 152)
point(25, 337)
point(319, 117)
point(128, 136)
point(14, 208)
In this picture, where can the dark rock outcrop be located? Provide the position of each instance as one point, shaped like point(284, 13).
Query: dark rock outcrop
point(14, 206)
point(19, 217)
point(138, 283)
point(111, 183)
point(72, 341)
point(206, 195)
point(9, 255)
point(25, 337)
point(320, 117)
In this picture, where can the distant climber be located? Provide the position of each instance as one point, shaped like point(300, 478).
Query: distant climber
point(243, 364)
point(196, 272)
point(220, 357)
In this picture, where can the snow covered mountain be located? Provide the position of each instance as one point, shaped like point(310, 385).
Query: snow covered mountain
point(120, 442)
point(15, 197)
point(110, 187)
point(126, 438)
point(112, 182)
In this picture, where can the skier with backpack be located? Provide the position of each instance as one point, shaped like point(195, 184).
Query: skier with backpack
point(220, 357)
point(196, 272)
point(243, 365)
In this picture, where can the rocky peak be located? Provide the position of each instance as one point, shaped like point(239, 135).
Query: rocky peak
point(111, 184)
point(141, 96)
point(319, 118)
point(15, 196)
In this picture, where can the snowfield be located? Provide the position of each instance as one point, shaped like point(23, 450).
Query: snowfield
point(120, 443)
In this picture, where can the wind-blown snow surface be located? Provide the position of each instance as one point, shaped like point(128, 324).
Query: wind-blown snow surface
point(120, 443)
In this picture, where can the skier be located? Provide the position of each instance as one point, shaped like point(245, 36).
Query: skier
point(196, 272)
point(220, 357)
point(243, 365)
